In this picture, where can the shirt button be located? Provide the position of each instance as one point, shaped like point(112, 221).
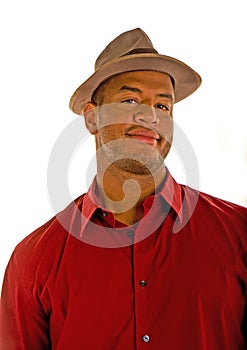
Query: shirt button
point(104, 214)
point(146, 338)
point(143, 283)
point(131, 233)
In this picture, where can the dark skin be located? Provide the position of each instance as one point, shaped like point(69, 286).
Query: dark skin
point(139, 132)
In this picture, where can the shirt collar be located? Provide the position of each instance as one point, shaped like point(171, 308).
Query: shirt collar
point(170, 191)
point(89, 206)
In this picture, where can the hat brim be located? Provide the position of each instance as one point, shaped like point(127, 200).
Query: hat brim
point(186, 79)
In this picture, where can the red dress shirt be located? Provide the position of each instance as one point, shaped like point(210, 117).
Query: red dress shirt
point(79, 283)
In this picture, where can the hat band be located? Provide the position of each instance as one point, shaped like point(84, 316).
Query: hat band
point(140, 50)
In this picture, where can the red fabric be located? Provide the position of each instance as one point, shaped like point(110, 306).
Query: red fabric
point(60, 292)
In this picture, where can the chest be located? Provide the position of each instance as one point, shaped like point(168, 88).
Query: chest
point(165, 282)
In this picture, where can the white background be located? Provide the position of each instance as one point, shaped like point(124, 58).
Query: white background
point(49, 47)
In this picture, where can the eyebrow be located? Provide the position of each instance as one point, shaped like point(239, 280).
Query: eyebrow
point(129, 88)
point(134, 89)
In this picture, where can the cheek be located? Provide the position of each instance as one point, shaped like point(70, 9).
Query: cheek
point(165, 148)
point(107, 133)
point(165, 130)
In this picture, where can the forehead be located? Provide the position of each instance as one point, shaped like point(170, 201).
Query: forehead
point(144, 79)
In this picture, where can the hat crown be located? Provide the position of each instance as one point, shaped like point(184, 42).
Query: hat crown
point(130, 42)
point(134, 51)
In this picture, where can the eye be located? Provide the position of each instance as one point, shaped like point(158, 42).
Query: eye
point(162, 107)
point(129, 101)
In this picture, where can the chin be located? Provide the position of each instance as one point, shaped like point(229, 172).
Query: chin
point(135, 167)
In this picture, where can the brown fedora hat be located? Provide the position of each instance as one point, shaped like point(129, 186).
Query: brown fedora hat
point(131, 51)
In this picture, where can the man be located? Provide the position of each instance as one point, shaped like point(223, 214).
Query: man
point(139, 261)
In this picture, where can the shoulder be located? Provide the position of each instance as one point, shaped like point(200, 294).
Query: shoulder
point(222, 206)
point(211, 202)
point(214, 212)
point(43, 248)
point(201, 205)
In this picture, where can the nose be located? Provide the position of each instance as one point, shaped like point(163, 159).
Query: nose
point(146, 115)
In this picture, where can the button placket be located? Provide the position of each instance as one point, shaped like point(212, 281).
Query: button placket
point(131, 233)
point(142, 305)
point(146, 338)
point(142, 283)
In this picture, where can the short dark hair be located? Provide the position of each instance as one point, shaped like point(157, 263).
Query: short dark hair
point(98, 94)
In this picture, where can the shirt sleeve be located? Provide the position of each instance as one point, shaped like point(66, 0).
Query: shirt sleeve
point(23, 322)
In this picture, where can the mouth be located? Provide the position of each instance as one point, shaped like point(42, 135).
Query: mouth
point(144, 135)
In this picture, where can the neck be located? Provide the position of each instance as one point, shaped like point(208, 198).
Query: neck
point(123, 193)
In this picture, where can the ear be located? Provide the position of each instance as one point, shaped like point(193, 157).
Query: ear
point(90, 115)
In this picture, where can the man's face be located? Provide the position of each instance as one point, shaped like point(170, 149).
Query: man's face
point(134, 122)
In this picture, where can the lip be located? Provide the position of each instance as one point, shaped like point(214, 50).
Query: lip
point(144, 135)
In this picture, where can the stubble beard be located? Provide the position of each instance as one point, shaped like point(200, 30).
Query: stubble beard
point(145, 162)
